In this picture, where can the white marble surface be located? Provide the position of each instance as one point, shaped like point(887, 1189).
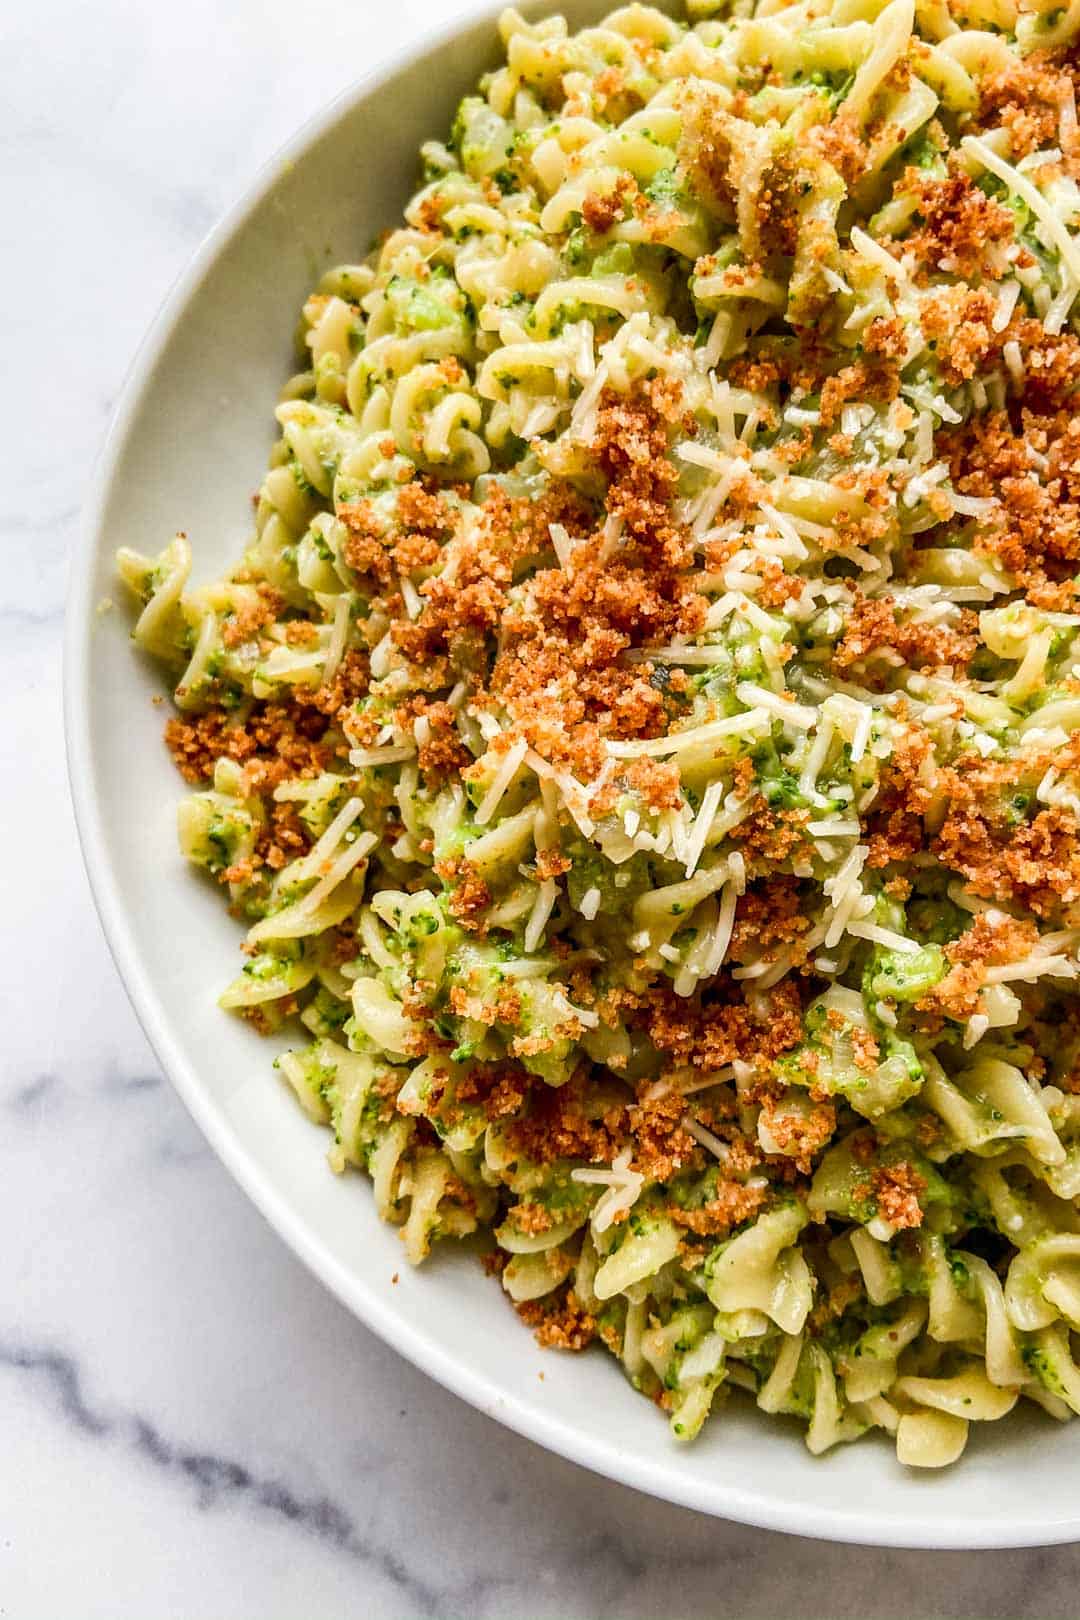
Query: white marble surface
point(190, 1426)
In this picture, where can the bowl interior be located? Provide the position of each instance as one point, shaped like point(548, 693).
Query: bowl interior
point(188, 447)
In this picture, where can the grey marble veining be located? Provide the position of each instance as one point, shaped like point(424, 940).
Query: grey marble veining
point(190, 1425)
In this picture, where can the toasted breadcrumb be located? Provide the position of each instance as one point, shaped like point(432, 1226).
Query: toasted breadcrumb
point(873, 625)
point(897, 1189)
point(733, 1205)
point(252, 615)
point(985, 944)
point(560, 1321)
point(959, 222)
point(799, 1137)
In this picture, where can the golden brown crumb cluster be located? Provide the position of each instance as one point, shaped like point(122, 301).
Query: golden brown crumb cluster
point(957, 222)
point(560, 1321)
point(873, 627)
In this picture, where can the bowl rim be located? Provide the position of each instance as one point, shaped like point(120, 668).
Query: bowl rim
point(724, 1498)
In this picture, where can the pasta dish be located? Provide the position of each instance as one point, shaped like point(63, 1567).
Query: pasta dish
point(641, 738)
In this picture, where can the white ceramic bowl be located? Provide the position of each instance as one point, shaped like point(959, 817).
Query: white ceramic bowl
point(188, 445)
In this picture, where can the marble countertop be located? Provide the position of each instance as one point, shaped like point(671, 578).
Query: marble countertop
point(190, 1425)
